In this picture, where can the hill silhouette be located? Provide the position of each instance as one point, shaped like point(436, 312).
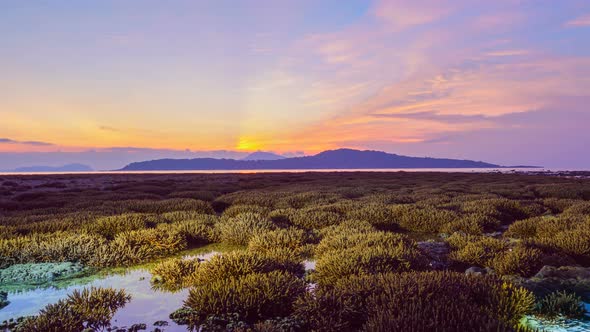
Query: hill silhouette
point(331, 159)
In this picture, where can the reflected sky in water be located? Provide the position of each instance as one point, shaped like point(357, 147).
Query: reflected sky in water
point(147, 305)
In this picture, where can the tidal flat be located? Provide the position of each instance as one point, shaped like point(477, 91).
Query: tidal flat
point(355, 251)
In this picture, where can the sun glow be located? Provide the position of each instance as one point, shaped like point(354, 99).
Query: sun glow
point(247, 144)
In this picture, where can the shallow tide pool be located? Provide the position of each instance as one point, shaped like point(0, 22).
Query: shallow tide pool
point(147, 305)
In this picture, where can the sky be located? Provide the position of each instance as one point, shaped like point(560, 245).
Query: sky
point(107, 82)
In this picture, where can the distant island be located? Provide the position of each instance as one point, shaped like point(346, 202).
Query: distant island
point(70, 168)
point(332, 159)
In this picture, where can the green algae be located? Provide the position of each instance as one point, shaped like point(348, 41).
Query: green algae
point(40, 273)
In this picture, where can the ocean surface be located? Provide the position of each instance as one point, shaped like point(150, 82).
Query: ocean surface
point(442, 170)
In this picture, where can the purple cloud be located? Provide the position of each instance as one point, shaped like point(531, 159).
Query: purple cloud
point(35, 143)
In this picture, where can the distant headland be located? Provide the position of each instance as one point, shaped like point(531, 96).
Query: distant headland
point(331, 159)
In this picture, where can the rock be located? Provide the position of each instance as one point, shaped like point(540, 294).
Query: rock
point(550, 279)
point(437, 254)
point(161, 323)
point(3, 299)
point(183, 316)
point(563, 272)
point(474, 270)
point(11, 324)
point(137, 327)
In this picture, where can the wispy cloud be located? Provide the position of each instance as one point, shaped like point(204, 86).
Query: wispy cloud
point(33, 143)
point(435, 116)
point(109, 128)
point(580, 21)
point(507, 53)
point(402, 14)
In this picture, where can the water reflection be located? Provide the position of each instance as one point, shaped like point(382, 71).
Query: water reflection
point(148, 305)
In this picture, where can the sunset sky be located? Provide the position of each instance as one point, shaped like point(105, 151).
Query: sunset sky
point(106, 82)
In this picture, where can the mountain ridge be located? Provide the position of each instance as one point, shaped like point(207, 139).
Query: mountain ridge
point(75, 167)
point(330, 159)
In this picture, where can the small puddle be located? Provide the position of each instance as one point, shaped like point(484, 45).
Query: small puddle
point(204, 257)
